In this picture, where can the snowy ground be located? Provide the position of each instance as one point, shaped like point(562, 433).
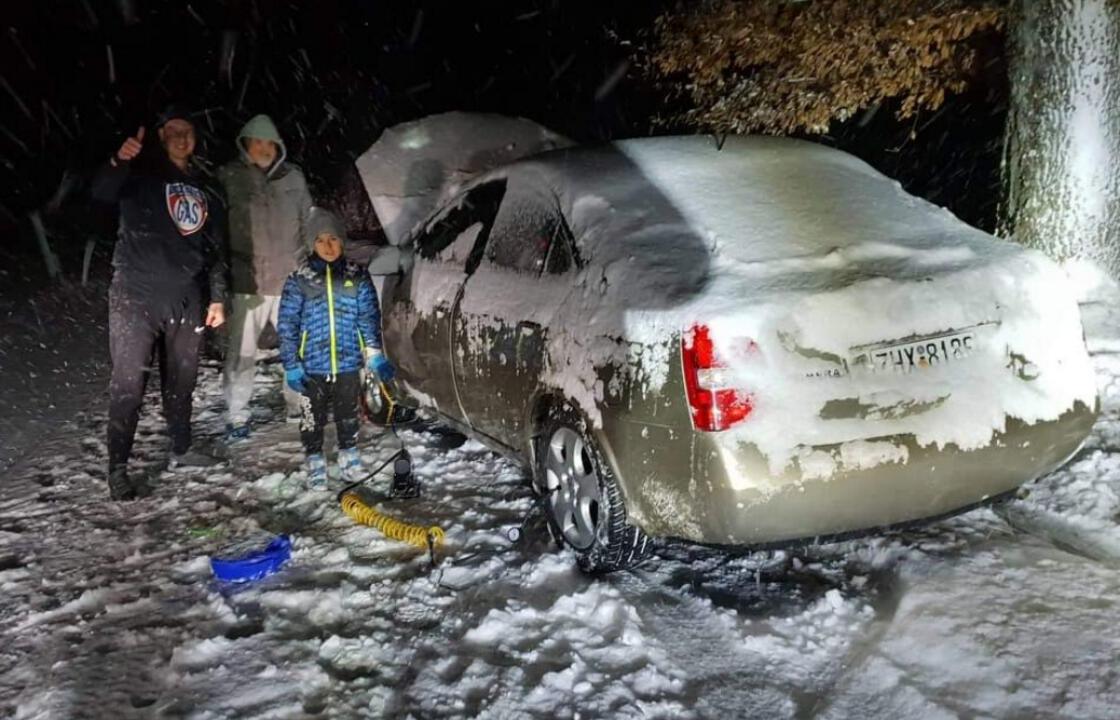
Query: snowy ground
point(53, 359)
point(110, 611)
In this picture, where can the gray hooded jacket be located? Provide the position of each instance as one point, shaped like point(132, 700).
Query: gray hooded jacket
point(267, 214)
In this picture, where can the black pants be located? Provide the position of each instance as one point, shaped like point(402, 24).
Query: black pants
point(320, 394)
point(136, 327)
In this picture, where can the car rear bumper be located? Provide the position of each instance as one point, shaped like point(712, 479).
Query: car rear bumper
point(723, 506)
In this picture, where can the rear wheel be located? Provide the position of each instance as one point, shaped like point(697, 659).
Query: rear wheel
point(581, 499)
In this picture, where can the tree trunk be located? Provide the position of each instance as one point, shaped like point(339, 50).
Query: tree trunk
point(1061, 167)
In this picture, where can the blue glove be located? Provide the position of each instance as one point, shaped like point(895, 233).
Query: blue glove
point(379, 365)
point(295, 379)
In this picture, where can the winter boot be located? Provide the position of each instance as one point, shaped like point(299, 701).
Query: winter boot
point(350, 465)
point(192, 459)
point(316, 472)
point(405, 485)
point(120, 487)
point(141, 487)
point(237, 433)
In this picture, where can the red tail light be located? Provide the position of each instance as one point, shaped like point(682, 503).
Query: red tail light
point(715, 405)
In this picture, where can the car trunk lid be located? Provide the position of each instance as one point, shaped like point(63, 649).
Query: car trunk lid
point(940, 355)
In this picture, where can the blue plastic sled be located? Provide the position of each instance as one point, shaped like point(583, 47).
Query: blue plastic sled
point(254, 564)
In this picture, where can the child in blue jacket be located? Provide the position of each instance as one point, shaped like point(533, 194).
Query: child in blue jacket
point(329, 328)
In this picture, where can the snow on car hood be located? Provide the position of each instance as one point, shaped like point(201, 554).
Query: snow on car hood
point(415, 166)
point(810, 253)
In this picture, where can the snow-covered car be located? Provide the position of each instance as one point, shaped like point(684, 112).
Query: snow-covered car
point(752, 343)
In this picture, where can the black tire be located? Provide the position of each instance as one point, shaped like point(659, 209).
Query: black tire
point(617, 545)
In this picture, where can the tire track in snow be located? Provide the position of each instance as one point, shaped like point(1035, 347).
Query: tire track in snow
point(752, 647)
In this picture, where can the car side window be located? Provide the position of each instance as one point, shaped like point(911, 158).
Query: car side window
point(529, 234)
point(561, 258)
point(459, 233)
point(460, 248)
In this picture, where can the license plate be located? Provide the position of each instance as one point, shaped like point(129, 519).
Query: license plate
point(918, 354)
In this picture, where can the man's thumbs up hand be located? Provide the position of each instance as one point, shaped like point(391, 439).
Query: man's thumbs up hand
point(132, 146)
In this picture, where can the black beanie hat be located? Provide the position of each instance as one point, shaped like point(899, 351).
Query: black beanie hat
point(174, 111)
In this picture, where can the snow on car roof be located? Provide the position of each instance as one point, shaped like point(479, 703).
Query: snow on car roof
point(683, 224)
point(762, 198)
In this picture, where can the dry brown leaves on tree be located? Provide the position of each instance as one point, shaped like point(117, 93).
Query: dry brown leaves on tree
point(782, 67)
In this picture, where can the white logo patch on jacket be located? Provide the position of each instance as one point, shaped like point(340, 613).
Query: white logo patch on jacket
point(187, 207)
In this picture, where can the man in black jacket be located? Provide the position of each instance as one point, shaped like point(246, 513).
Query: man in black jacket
point(168, 263)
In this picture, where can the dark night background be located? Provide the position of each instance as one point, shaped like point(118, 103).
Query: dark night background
point(78, 74)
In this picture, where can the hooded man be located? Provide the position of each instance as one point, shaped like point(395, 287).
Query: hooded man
point(168, 284)
point(268, 209)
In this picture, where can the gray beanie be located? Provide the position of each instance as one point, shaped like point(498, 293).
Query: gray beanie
point(321, 221)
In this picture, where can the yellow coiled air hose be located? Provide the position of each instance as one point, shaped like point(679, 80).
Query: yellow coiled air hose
point(422, 537)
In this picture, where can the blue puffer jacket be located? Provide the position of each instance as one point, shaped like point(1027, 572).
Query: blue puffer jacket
point(328, 313)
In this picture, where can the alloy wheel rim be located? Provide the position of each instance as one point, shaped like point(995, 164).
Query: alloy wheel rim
point(572, 484)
